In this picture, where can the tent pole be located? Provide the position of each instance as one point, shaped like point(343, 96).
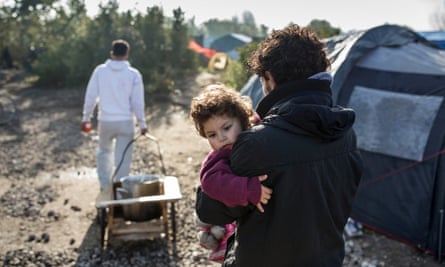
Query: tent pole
point(440, 235)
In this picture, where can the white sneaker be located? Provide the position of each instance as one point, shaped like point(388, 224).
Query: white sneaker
point(353, 228)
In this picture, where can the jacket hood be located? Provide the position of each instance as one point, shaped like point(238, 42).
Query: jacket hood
point(306, 107)
point(117, 65)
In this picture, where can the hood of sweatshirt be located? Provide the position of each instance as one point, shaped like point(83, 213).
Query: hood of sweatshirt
point(117, 65)
point(306, 105)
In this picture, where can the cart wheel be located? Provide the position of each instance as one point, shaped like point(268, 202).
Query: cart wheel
point(98, 216)
point(173, 222)
point(101, 218)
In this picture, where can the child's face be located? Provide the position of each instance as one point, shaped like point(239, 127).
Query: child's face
point(222, 131)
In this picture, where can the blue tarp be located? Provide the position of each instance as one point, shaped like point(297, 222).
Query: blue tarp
point(438, 37)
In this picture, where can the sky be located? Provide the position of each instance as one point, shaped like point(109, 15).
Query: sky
point(275, 14)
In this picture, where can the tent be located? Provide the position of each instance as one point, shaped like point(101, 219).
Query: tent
point(253, 89)
point(437, 37)
point(394, 79)
point(207, 52)
point(229, 43)
point(219, 50)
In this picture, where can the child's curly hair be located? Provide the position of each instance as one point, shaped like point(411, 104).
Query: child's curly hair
point(218, 100)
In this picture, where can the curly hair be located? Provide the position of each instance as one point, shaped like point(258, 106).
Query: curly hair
point(293, 53)
point(218, 100)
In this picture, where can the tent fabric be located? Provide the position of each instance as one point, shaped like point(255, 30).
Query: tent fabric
point(229, 43)
point(253, 89)
point(405, 59)
point(207, 52)
point(438, 37)
point(395, 81)
point(347, 53)
point(393, 123)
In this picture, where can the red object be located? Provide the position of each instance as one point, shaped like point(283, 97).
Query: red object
point(87, 126)
point(207, 52)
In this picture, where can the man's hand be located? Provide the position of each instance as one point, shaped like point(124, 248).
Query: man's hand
point(266, 194)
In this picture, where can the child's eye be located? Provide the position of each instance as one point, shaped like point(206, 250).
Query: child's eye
point(228, 127)
point(210, 135)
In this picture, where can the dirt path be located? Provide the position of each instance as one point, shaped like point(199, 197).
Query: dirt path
point(48, 185)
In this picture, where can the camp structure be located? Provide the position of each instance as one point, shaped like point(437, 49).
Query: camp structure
point(219, 61)
point(228, 44)
point(394, 79)
point(219, 50)
point(206, 52)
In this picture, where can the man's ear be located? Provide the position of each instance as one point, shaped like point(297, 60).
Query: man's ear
point(270, 80)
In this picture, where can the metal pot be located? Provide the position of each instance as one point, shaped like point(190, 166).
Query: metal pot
point(140, 186)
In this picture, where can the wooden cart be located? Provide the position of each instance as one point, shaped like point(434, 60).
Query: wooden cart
point(115, 226)
point(113, 209)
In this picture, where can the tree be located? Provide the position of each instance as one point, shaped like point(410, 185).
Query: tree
point(438, 18)
point(237, 74)
point(248, 18)
point(215, 27)
point(323, 28)
point(23, 26)
point(180, 56)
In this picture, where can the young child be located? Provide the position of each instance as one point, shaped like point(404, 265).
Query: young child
point(219, 115)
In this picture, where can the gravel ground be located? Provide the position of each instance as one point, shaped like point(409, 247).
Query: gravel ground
point(49, 186)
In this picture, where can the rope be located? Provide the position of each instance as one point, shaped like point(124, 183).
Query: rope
point(123, 156)
point(152, 138)
point(403, 168)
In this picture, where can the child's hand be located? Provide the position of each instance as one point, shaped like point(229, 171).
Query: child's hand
point(266, 193)
point(255, 118)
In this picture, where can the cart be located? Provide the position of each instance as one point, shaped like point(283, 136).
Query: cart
point(119, 217)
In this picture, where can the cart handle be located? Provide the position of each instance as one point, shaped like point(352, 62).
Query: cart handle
point(152, 138)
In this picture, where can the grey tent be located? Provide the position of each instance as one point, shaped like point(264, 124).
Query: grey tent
point(229, 43)
point(253, 89)
point(395, 81)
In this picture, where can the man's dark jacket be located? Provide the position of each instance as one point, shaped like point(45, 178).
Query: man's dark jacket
point(308, 149)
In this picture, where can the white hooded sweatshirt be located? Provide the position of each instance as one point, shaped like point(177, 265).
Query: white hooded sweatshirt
point(118, 89)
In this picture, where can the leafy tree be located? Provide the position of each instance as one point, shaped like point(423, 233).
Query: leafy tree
point(323, 28)
point(180, 55)
point(151, 56)
point(215, 27)
point(236, 74)
point(23, 27)
point(62, 45)
point(248, 18)
point(66, 45)
point(438, 19)
point(70, 56)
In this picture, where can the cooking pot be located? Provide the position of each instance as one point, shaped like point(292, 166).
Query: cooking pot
point(140, 186)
